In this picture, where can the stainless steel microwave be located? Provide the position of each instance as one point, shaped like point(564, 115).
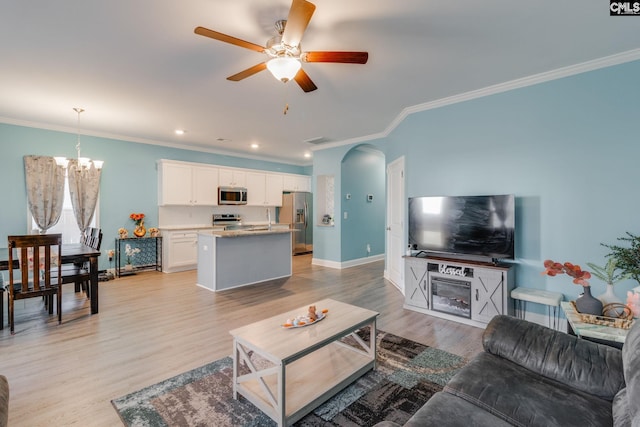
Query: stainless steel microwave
point(232, 196)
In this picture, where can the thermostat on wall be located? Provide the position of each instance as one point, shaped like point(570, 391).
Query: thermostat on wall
point(369, 197)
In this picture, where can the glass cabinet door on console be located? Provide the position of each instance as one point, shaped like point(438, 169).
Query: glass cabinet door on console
point(416, 283)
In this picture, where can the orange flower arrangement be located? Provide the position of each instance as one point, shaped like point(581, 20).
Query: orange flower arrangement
point(137, 217)
point(579, 275)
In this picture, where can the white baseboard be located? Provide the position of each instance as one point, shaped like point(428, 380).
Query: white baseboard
point(385, 274)
point(346, 264)
point(547, 320)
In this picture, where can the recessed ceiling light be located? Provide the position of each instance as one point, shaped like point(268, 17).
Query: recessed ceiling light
point(307, 155)
point(254, 146)
point(180, 131)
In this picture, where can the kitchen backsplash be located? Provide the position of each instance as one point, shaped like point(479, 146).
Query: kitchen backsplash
point(198, 216)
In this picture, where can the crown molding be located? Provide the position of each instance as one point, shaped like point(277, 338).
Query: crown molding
point(176, 145)
point(572, 70)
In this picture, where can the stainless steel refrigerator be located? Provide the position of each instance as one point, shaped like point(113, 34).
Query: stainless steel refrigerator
point(296, 210)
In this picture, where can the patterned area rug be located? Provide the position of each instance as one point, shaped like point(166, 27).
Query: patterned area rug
point(407, 375)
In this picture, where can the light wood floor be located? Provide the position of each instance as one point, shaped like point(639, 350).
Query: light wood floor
point(153, 326)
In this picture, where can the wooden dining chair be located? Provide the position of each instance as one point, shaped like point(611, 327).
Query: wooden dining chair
point(38, 256)
point(80, 274)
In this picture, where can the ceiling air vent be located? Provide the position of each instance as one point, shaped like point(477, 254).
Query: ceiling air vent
point(317, 140)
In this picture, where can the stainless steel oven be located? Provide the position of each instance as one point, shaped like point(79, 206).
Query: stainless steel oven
point(232, 196)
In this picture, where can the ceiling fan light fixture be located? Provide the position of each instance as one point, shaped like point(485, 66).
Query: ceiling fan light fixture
point(284, 68)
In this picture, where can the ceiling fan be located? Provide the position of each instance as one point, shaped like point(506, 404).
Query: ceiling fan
point(284, 51)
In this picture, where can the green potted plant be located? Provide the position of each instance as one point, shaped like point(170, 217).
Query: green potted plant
point(627, 258)
point(609, 274)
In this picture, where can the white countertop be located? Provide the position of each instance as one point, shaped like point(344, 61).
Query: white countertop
point(242, 233)
point(218, 227)
point(190, 227)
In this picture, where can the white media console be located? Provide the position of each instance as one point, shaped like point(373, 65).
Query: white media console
point(468, 292)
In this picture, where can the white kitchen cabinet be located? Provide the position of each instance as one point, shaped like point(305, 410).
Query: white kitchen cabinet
point(180, 250)
point(232, 177)
point(264, 189)
point(274, 189)
point(296, 183)
point(173, 179)
point(205, 186)
point(256, 189)
point(468, 292)
point(184, 184)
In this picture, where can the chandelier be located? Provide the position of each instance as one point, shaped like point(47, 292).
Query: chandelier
point(83, 162)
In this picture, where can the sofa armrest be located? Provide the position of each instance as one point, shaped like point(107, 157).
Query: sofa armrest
point(584, 365)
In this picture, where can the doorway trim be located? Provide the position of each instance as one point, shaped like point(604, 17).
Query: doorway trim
point(395, 220)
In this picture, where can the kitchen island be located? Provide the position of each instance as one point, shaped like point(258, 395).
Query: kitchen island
point(233, 258)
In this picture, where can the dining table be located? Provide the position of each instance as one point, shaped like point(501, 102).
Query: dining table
point(71, 253)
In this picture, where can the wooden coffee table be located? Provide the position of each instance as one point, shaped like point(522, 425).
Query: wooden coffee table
point(306, 365)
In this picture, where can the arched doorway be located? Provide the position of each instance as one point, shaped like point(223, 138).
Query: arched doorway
point(362, 191)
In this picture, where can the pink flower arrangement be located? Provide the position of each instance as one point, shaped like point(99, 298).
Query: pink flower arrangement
point(579, 275)
point(137, 217)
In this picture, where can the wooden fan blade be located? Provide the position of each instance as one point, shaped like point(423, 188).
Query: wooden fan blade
point(228, 39)
point(341, 57)
point(248, 72)
point(304, 81)
point(299, 17)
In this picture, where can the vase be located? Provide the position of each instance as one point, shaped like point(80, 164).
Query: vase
point(140, 231)
point(587, 304)
point(609, 296)
point(128, 267)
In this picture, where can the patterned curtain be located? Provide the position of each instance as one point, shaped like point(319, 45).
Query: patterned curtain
point(45, 190)
point(84, 187)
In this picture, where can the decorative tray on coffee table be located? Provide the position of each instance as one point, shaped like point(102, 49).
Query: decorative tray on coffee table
point(302, 321)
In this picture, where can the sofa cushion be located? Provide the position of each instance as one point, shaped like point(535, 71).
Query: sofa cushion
point(447, 410)
point(631, 360)
point(524, 398)
point(577, 363)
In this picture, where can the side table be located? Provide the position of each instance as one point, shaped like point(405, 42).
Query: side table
point(149, 256)
point(608, 335)
point(521, 295)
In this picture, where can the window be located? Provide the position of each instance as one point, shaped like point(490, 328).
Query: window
point(67, 224)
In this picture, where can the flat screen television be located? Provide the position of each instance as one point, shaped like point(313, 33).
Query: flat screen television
point(463, 225)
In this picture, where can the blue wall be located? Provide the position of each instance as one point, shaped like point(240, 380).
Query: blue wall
point(363, 173)
point(129, 179)
point(568, 149)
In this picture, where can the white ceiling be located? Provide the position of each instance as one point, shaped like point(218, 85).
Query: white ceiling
point(140, 72)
